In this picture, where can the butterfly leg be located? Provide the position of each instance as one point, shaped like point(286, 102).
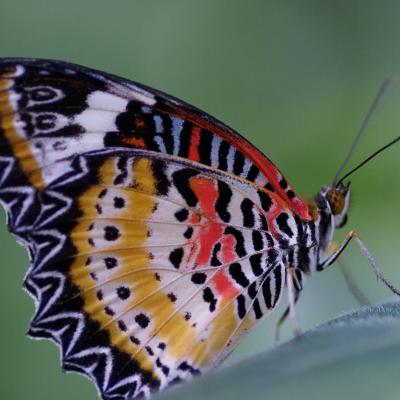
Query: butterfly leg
point(291, 277)
point(351, 283)
point(282, 319)
point(354, 235)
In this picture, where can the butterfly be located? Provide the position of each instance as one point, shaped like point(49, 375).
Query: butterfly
point(158, 236)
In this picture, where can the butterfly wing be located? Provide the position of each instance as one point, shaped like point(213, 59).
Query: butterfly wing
point(52, 110)
point(146, 275)
point(147, 264)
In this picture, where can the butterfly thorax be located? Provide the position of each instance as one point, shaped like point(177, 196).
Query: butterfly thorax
point(329, 211)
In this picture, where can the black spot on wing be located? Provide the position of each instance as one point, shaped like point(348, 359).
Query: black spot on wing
point(258, 242)
point(252, 290)
point(205, 146)
point(123, 292)
point(162, 182)
point(303, 258)
point(208, 297)
point(142, 320)
point(167, 136)
point(182, 214)
point(269, 187)
point(272, 256)
point(122, 326)
point(235, 270)
point(199, 278)
point(149, 350)
point(119, 202)
point(172, 297)
point(241, 306)
point(246, 207)
point(109, 311)
point(257, 309)
point(164, 368)
point(110, 262)
point(278, 284)
point(283, 183)
point(266, 291)
point(188, 233)
point(224, 197)
point(181, 179)
point(290, 194)
point(264, 223)
point(265, 199)
point(102, 193)
point(111, 233)
point(256, 264)
point(134, 340)
point(282, 221)
point(176, 257)
point(240, 248)
point(300, 230)
point(238, 163)
point(123, 173)
point(223, 155)
point(185, 366)
point(125, 122)
point(185, 139)
point(162, 346)
point(253, 173)
point(214, 259)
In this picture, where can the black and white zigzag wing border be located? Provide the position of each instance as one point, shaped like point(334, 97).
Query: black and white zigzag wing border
point(67, 326)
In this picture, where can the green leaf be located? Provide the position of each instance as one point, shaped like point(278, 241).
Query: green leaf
point(355, 356)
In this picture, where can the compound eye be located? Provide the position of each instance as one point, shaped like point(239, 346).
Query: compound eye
point(336, 201)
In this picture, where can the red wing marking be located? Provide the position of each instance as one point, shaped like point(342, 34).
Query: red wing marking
point(207, 193)
point(210, 233)
point(136, 142)
point(194, 144)
point(208, 236)
point(256, 156)
point(224, 285)
point(227, 252)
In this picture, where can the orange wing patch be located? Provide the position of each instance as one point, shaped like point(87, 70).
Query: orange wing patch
point(9, 125)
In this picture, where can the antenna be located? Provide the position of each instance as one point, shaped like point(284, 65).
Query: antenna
point(381, 93)
point(368, 159)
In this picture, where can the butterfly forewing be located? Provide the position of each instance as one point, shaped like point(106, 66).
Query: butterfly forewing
point(53, 110)
point(155, 234)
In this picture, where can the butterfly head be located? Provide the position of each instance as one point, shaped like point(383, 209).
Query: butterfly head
point(335, 201)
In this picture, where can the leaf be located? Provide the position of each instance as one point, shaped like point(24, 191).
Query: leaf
point(355, 356)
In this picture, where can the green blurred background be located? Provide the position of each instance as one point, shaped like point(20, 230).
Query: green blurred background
point(295, 78)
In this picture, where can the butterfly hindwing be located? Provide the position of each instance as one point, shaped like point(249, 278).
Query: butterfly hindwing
point(144, 283)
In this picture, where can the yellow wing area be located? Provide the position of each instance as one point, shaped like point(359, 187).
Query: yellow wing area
point(136, 271)
point(150, 308)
